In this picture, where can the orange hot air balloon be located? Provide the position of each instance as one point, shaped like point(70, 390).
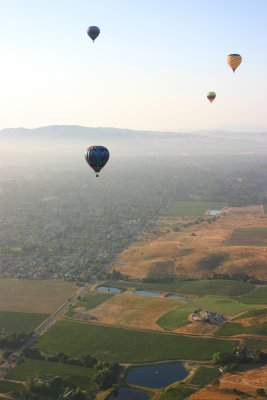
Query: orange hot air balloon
point(234, 60)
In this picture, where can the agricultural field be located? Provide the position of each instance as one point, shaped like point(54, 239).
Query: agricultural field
point(33, 296)
point(252, 313)
point(221, 287)
point(248, 237)
point(125, 345)
point(20, 322)
point(259, 296)
point(31, 368)
point(204, 375)
point(92, 300)
point(192, 208)
point(176, 392)
point(7, 386)
point(176, 318)
point(265, 208)
point(233, 328)
point(222, 304)
point(135, 311)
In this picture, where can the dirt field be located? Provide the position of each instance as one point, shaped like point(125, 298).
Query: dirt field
point(248, 381)
point(198, 250)
point(133, 311)
point(33, 296)
point(212, 394)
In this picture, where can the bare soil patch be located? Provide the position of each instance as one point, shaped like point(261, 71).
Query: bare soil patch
point(248, 381)
point(212, 394)
point(186, 252)
point(197, 328)
point(133, 311)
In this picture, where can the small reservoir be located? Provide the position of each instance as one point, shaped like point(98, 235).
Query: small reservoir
point(175, 297)
point(128, 394)
point(147, 293)
point(156, 375)
point(106, 289)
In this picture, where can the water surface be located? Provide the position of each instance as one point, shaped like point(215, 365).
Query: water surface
point(156, 375)
point(147, 293)
point(108, 289)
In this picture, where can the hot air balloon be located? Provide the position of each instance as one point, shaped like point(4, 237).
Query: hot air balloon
point(93, 32)
point(97, 157)
point(211, 96)
point(234, 60)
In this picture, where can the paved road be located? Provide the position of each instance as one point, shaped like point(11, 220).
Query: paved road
point(40, 330)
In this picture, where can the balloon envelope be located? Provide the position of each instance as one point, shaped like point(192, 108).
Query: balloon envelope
point(97, 157)
point(93, 32)
point(211, 96)
point(234, 60)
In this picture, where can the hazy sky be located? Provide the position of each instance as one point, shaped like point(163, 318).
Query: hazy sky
point(150, 68)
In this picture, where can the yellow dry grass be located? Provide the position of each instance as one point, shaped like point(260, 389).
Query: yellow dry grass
point(133, 310)
point(248, 381)
point(182, 252)
point(211, 394)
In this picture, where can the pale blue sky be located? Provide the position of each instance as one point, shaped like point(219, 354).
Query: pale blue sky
point(150, 68)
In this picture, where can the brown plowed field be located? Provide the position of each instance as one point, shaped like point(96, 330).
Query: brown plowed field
point(134, 311)
point(192, 250)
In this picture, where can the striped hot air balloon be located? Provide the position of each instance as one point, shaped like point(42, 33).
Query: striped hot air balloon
point(211, 96)
point(234, 60)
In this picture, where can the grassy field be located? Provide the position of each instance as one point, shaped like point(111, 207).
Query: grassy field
point(31, 368)
point(217, 287)
point(221, 304)
point(248, 237)
point(232, 328)
point(192, 208)
point(204, 375)
point(20, 322)
point(256, 344)
point(198, 287)
point(93, 299)
point(252, 313)
point(33, 296)
point(176, 392)
point(176, 318)
point(125, 345)
point(259, 296)
point(6, 387)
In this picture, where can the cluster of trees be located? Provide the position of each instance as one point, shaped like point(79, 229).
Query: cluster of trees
point(105, 374)
point(240, 355)
point(241, 276)
point(14, 340)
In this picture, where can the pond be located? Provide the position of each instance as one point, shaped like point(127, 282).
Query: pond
point(214, 212)
point(175, 297)
point(156, 375)
point(108, 289)
point(128, 394)
point(147, 293)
